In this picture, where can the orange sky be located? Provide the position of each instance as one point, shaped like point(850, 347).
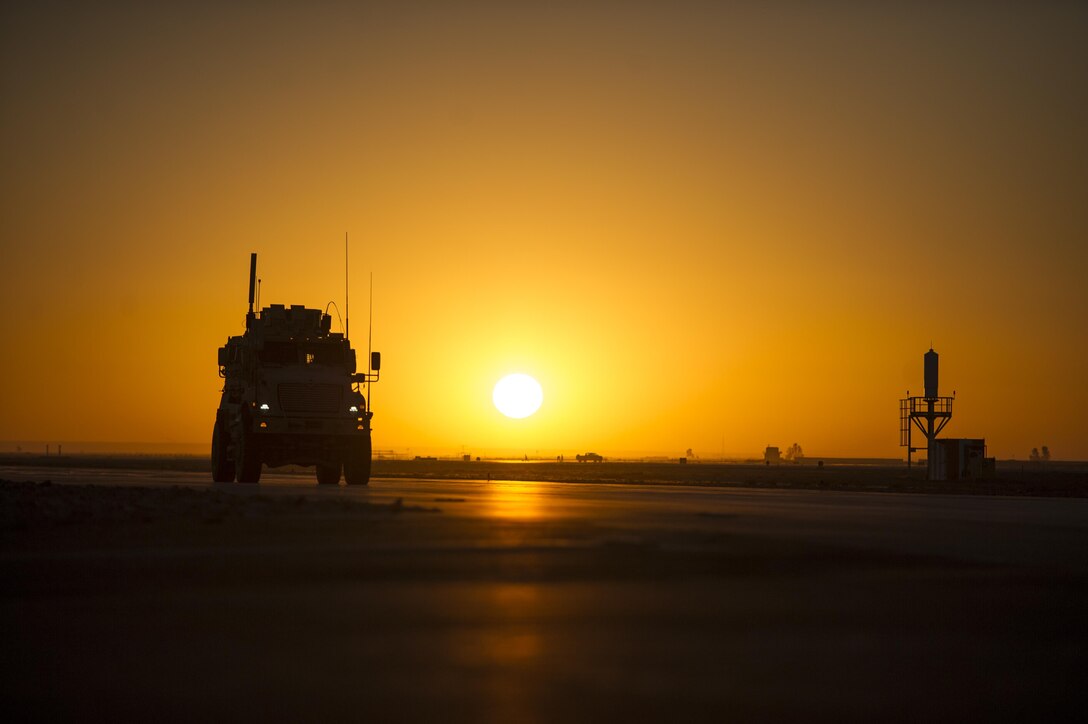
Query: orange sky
point(698, 226)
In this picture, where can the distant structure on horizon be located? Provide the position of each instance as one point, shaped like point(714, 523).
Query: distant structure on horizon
point(772, 454)
point(794, 453)
point(946, 459)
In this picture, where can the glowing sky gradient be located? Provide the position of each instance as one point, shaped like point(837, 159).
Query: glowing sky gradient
point(705, 225)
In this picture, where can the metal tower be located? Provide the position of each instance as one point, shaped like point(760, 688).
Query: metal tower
point(929, 414)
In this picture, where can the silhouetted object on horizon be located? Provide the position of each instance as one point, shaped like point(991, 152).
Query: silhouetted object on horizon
point(590, 457)
point(935, 411)
point(961, 459)
point(930, 361)
point(1037, 456)
point(949, 459)
point(291, 396)
point(772, 455)
point(794, 454)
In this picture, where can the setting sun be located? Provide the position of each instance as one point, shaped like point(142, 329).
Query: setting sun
point(517, 395)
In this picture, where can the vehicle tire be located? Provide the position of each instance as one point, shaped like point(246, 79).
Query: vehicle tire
point(328, 474)
point(248, 458)
point(222, 465)
point(357, 463)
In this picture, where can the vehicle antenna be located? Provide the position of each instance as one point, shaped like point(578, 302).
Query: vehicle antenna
point(347, 311)
point(252, 277)
point(258, 296)
point(252, 283)
point(369, 341)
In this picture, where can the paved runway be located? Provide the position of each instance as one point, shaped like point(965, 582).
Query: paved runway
point(527, 601)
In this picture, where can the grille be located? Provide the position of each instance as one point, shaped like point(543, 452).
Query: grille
point(295, 397)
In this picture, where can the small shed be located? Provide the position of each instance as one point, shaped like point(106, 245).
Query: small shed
point(961, 458)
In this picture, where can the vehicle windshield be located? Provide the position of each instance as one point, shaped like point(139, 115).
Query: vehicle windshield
point(325, 354)
point(279, 353)
point(332, 354)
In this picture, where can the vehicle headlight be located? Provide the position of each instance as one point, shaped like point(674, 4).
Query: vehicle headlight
point(353, 409)
point(264, 407)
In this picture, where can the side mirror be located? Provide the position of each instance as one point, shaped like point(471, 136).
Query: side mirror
point(375, 361)
point(224, 359)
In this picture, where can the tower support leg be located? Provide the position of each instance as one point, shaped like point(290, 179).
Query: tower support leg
point(931, 459)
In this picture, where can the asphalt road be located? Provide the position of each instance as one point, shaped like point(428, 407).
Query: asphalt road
point(160, 595)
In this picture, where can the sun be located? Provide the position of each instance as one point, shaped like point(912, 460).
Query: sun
point(517, 395)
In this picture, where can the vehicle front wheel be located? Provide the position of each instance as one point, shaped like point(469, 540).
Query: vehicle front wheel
point(248, 459)
point(328, 474)
point(222, 465)
point(357, 463)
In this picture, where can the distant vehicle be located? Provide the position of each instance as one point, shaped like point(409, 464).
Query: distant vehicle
point(590, 457)
point(291, 396)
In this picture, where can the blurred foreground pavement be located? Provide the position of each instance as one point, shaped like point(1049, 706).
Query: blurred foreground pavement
point(162, 597)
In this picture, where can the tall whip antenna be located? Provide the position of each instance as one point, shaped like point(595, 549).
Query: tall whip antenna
point(347, 314)
point(370, 339)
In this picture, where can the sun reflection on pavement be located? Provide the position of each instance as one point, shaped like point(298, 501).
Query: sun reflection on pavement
point(509, 656)
point(516, 501)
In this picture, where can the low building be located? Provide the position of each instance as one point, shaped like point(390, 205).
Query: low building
point(961, 459)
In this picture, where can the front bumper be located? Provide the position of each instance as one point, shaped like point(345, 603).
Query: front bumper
point(307, 440)
point(268, 425)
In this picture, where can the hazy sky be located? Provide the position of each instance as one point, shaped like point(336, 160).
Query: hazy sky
point(706, 225)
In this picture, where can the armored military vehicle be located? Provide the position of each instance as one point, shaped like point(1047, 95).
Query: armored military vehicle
point(291, 396)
